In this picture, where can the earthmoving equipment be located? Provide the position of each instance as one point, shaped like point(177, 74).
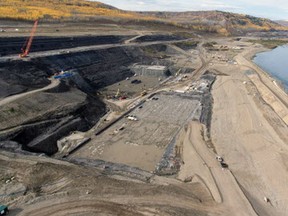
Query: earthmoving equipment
point(3, 210)
point(27, 45)
point(223, 164)
point(62, 74)
point(219, 158)
point(132, 118)
point(143, 93)
point(136, 81)
point(178, 72)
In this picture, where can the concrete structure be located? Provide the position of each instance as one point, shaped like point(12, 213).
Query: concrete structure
point(150, 70)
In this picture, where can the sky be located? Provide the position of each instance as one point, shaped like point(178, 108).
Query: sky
point(272, 9)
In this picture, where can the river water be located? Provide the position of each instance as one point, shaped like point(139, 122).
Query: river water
point(275, 62)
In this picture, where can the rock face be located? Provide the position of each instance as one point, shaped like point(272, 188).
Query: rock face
point(43, 142)
point(147, 38)
point(39, 120)
point(13, 45)
point(10, 145)
point(39, 106)
point(99, 68)
point(19, 76)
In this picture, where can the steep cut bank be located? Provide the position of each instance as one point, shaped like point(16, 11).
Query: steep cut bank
point(13, 45)
point(98, 68)
point(37, 121)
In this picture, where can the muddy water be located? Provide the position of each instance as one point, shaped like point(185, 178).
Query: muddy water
point(275, 62)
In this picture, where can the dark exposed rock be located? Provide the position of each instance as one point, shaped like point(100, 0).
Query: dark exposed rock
point(147, 38)
point(40, 120)
point(47, 142)
point(29, 132)
point(13, 45)
point(97, 68)
point(10, 145)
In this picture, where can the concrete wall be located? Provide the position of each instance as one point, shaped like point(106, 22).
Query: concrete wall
point(150, 70)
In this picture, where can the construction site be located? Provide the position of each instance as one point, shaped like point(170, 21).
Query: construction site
point(139, 124)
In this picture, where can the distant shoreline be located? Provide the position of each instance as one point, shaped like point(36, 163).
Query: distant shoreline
point(268, 87)
point(278, 82)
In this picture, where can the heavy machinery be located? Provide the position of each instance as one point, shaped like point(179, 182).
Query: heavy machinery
point(143, 93)
point(3, 210)
point(27, 45)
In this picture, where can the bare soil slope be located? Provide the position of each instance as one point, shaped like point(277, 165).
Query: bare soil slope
point(51, 187)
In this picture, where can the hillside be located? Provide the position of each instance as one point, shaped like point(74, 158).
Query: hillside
point(223, 23)
point(282, 22)
point(60, 9)
point(218, 21)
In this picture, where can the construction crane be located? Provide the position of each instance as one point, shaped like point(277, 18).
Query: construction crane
point(27, 45)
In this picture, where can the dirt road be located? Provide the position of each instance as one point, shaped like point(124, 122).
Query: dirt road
point(241, 133)
point(86, 48)
point(59, 188)
point(254, 151)
point(220, 182)
point(12, 98)
point(133, 38)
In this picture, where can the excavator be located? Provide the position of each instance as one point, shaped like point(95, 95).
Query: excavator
point(27, 45)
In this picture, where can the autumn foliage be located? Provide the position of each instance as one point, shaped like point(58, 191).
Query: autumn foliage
point(217, 22)
point(61, 10)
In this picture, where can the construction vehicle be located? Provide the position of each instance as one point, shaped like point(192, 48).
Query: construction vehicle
point(143, 93)
point(223, 164)
point(219, 158)
point(3, 210)
point(132, 118)
point(63, 75)
point(136, 81)
point(178, 72)
point(27, 45)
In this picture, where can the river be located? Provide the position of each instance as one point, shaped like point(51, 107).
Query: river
point(275, 62)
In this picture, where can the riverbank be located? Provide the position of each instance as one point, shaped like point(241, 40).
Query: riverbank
point(252, 54)
point(270, 44)
point(270, 90)
point(274, 62)
point(249, 130)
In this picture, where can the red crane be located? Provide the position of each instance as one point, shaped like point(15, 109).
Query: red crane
point(27, 45)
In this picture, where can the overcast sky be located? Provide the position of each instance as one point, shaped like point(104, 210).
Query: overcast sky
point(273, 9)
